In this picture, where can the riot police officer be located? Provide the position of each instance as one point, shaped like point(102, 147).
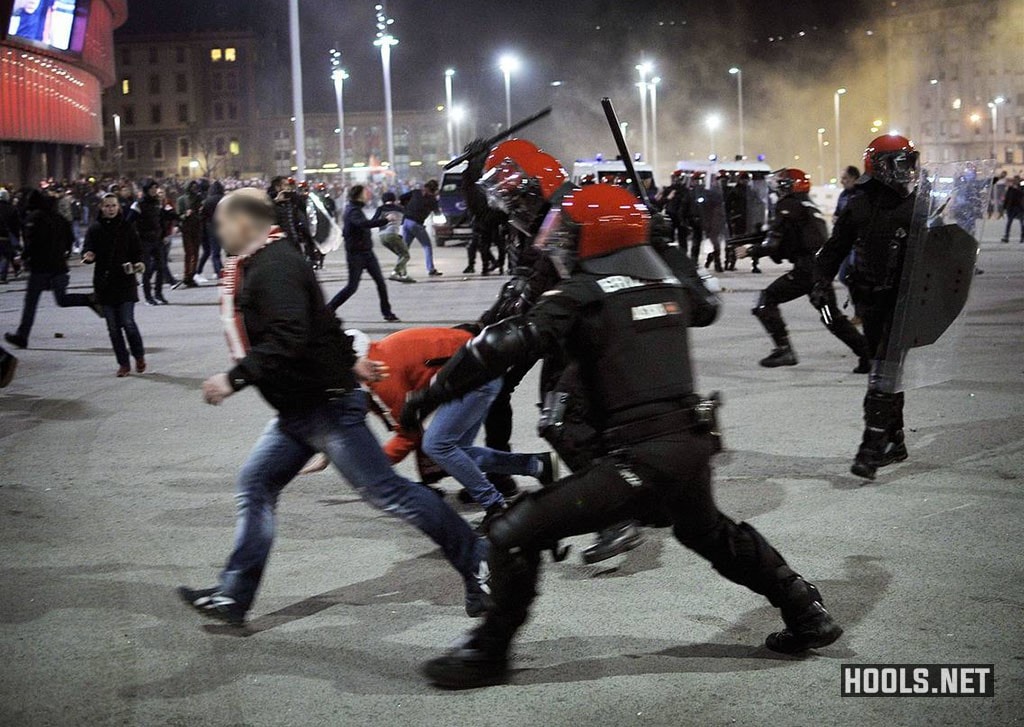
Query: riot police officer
point(796, 233)
point(875, 226)
point(621, 316)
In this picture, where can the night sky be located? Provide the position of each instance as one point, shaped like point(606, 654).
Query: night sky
point(591, 46)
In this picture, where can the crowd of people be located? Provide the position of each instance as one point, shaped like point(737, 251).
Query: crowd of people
point(601, 294)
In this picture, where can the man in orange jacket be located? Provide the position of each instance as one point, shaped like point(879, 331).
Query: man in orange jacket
point(413, 357)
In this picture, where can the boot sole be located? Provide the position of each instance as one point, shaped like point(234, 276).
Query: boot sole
point(624, 547)
point(441, 677)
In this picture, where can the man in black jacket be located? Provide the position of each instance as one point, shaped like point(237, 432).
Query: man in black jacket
point(419, 204)
point(149, 223)
point(357, 233)
point(47, 243)
point(10, 231)
point(290, 346)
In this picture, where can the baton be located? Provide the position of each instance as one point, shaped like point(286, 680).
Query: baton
point(500, 136)
point(627, 158)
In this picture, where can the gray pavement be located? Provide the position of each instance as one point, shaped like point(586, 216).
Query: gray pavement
point(114, 491)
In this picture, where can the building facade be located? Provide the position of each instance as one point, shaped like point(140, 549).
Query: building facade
point(956, 78)
point(50, 100)
point(181, 106)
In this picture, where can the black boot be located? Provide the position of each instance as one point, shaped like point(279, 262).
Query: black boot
point(863, 366)
point(808, 624)
point(882, 443)
point(613, 541)
point(780, 356)
point(481, 661)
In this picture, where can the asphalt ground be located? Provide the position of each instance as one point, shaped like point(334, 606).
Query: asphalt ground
point(114, 491)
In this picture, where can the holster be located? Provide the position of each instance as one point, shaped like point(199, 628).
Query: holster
point(700, 417)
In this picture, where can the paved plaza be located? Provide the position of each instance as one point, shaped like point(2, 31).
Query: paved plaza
point(114, 491)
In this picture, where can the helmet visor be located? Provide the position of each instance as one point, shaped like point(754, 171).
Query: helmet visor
point(556, 239)
point(510, 189)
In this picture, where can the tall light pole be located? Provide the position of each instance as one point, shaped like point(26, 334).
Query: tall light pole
point(339, 75)
point(298, 113)
point(508, 64)
point(993, 106)
point(449, 110)
point(712, 122)
point(385, 41)
point(457, 115)
point(654, 121)
point(643, 69)
point(738, 72)
point(835, 101)
point(117, 143)
point(821, 155)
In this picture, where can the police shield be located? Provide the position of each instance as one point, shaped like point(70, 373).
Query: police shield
point(938, 268)
point(322, 227)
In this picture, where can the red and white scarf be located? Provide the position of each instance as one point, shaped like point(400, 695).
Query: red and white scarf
point(231, 284)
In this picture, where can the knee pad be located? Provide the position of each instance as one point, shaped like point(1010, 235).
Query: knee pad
point(513, 529)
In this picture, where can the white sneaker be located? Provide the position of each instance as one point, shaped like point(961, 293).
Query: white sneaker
point(197, 278)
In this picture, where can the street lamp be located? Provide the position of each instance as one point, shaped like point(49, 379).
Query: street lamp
point(458, 113)
point(298, 112)
point(839, 92)
point(117, 143)
point(508, 64)
point(994, 107)
point(654, 121)
point(736, 71)
point(643, 69)
point(339, 75)
point(713, 121)
point(448, 74)
point(385, 41)
point(821, 153)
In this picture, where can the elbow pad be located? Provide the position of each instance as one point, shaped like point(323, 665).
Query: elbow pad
point(494, 351)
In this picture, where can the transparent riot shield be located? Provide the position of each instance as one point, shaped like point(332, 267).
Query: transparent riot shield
point(940, 252)
point(324, 230)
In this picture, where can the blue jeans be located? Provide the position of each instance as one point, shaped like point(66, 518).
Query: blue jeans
point(357, 263)
point(449, 442)
point(411, 229)
point(121, 325)
point(338, 429)
point(37, 283)
point(211, 250)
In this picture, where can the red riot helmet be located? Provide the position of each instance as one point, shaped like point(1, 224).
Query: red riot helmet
point(789, 181)
point(592, 222)
point(521, 180)
point(893, 159)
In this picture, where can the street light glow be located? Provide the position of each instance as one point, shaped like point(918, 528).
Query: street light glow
point(840, 91)
point(449, 72)
point(821, 129)
point(458, 114)
point(734, 70)
point(509, 63)
point(713, 121)
point(645, 67)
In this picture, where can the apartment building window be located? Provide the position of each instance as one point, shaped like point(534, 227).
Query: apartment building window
point(126, 86)
point(232, 110)
point(179, 54)
point(126, 56)
point(217, 81)
point(180, 82)
point(130, 150)
point(183, 113)
point(154, 56)
point(216, 55)
point(218, 111)
point(128, 115)
point(158, 149)
point(231, 81)
point(184, 171)
point(220, 146)
point(234, 147)
point(156, 114)
point(184, 147)
point(154, 84)
point(230, 55)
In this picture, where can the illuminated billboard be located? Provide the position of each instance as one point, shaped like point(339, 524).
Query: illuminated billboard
point(54, 24)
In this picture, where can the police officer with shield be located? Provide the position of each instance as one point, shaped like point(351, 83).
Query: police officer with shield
point(621, 315)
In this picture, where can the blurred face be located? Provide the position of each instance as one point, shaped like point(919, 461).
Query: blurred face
point(234, 230)
point(847, 180)
point(109, 207)
point(31, 6)
point(365, 197)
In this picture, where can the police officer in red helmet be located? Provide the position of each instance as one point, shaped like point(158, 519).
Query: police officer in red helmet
point(875, 226)
point(621, 315)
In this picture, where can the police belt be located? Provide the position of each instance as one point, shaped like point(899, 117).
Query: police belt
point(680, 420)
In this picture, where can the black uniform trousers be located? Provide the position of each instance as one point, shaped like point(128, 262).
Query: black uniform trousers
point(661, 482)
point(797, 283)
